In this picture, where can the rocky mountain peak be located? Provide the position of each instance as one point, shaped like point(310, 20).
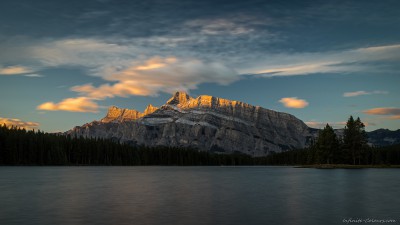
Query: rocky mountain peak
point(113, 111)
point(117, 114)
point(209, 123)
point(180, 97)
point(149, 109)
point(205, 123)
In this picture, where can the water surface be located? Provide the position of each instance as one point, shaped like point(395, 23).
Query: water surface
point(196, 195)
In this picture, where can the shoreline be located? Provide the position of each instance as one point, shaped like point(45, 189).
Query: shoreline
point(347, 166)
point(316, 166)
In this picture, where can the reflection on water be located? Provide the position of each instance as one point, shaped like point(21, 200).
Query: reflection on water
point(195, 195)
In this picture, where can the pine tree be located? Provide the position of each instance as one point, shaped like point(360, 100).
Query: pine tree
point(327, 145)
point(355, 140)
point(362, 140)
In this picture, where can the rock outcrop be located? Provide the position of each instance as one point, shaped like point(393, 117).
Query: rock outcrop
point(206, 123)
point(116, 114)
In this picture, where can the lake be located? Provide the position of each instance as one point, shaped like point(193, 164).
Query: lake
point(198, 195)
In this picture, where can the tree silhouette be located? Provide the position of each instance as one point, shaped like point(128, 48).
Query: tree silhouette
point(327, 145)
point(354, 140)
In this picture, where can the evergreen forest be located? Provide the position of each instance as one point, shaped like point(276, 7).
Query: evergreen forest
point(28, 147)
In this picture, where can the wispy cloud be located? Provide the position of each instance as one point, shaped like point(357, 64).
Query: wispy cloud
point(98, 54)
point(9, 122)
point(220, 26)
point(102, 57)
point(158, 75)
point(347, 61)
point(80, 104)
point(14, 70)
point(322, 67)
point(359, 93)
point(105, 58)
point(126, 73)
point(127, 68)
point(33, 75)
point(294, 102)
point(89, 53)
point(390, 112)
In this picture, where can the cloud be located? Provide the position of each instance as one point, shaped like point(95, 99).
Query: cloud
point(220, 26)
point(348, 61)
point(291, 70)
point(33, 75)
point(80, 104)
point(14, 70)
point(293, 102)
point(391, 112)
point(158, 75)
point(89, 53)
point(9, 122)
point(155, 63)
point(131, 67)
point(359, 93)
point(100, 54)
point(125, 72)
point(122, 63)
point(105, 57)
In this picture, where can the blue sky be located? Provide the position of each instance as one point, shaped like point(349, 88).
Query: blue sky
point(62, 63)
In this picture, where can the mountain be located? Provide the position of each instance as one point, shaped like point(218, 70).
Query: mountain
point(116, 114)
point(384, 137)
point(206, 123)
point(376, 138)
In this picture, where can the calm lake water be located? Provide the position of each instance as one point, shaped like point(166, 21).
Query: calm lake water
point(197, 195)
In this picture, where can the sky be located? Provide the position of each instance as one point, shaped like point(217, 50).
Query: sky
point(63, 63)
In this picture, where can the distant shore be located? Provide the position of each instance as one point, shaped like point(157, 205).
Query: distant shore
point(346, 166)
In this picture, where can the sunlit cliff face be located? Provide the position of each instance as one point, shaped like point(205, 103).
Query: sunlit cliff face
point(205, 123)
point(183, 103)
point(118, 114)
point(180, 99)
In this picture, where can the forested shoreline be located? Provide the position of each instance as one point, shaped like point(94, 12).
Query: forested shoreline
point(21, 147)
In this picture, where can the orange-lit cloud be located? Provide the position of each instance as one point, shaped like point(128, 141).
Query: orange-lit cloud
point(293, 102)
point(9, 122)
point(156, 62)
point(391, 112)
point(352, 60)
point(122, 89)
point(158, 75)
point(291, 70)
point(14, 70)
point(144, 78)
point(359, 93)
point(80, 104)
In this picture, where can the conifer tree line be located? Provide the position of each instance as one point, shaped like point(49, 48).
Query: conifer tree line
point(352, 148)
point(21, 147)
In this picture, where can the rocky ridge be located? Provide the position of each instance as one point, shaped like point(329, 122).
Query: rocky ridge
point(116, 114)
point(206, 123)
point(383, 137)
